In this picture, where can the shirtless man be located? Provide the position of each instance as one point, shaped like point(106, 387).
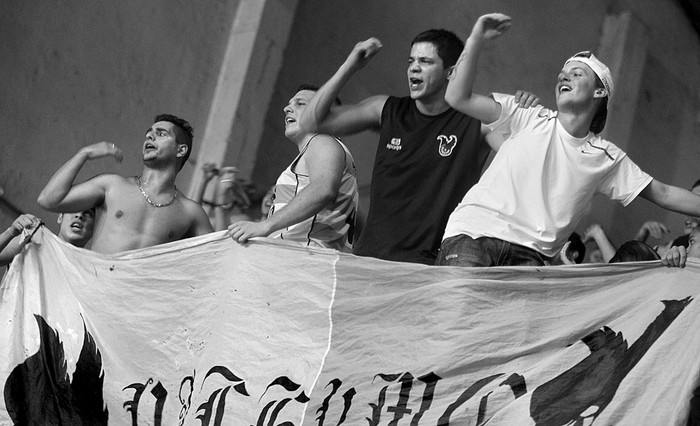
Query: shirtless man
point(139, 211)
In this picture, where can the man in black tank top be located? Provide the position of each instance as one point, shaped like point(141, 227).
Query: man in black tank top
point(428, 155)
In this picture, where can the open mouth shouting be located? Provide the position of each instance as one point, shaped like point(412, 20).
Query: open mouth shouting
point(414, 83)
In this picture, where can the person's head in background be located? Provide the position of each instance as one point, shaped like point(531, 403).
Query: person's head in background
point(573, 252)
point(634, 251)
point(76, 228)
point(694, 243)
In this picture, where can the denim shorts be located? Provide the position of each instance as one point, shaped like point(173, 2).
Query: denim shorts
point(463, 250)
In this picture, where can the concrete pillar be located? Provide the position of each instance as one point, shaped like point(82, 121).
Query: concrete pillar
point(247, 77)
point(623, 48)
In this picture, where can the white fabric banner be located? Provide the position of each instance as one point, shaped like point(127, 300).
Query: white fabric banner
point(209, 332)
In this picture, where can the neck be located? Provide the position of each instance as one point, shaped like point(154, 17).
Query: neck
point(302, 140)
point(158, 181)
point(576, 124)
point(434, 105)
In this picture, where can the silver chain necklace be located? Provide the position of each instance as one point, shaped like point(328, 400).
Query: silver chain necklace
point(148, 199)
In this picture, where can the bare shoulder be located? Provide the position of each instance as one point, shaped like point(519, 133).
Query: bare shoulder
point(324, 145)
point(192, 208)
point(110, 179)
point(198, 218)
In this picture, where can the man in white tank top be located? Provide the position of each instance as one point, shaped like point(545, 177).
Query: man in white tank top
point(316, 198)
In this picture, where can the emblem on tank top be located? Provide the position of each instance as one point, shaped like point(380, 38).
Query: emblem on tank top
point(395, 144)
point(447, 144)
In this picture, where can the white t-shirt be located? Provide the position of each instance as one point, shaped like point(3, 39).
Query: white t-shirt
point(541, 181)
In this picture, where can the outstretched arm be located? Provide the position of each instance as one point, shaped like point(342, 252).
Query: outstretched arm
point(321, 116)
point(10, 241)
point(325, 160)
point(672, 198)
point(61, 195)
point(459, 93)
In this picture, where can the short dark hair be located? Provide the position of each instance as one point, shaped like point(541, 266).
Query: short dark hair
point(314, 88)
point(634, 251)
point(447, 44)
point(185, 132)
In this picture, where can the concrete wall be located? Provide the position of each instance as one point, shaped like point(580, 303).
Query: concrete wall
point(74, 73)
point(78, 72)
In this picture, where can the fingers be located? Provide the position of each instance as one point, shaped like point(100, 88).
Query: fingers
point(117, 153)
point(657, 229)
point(366, 49)
point(675, 256)
point(238, 232)
point(25, 221)
point(526, 99)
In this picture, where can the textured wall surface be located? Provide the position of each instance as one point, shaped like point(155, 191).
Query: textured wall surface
point(74, 73)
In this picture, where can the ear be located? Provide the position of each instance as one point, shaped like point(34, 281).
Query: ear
point(600, 93)
point(60, 218)
point(182, 150)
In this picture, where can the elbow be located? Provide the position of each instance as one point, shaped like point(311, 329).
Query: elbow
point(455, 99)
point(451, 97)
point(44, 202)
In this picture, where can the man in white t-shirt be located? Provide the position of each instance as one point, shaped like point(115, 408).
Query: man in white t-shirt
point(544, 175)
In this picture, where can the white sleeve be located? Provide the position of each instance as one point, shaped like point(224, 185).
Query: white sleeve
point(624, 181)
point(513, 118)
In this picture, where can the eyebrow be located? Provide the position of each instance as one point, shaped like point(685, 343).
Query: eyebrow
point(156, 129)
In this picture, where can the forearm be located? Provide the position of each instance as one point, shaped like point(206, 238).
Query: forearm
point(61, 182)
point(316, 112)
point(459, 89)
point(607, 249)
point(305, 205)
point(672, 198)
point(221, 218)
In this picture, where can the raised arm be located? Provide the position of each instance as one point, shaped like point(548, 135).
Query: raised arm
point(11, 242)
point(595, 232)
point(459, 93)
point(61, 195)
point(672, 198)
point(209, 170)
point(325, 160)
point(320, 116)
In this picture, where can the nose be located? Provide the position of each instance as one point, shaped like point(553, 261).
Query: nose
point(287, 109)
point(414, 67)
point(149, 136)
point(79, 216)
point(564, 77)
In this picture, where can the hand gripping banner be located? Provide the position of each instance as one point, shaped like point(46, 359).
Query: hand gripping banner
point(209, 332)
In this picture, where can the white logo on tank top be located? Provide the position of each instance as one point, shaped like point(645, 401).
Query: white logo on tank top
point(447, 144)
point(395, 144)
